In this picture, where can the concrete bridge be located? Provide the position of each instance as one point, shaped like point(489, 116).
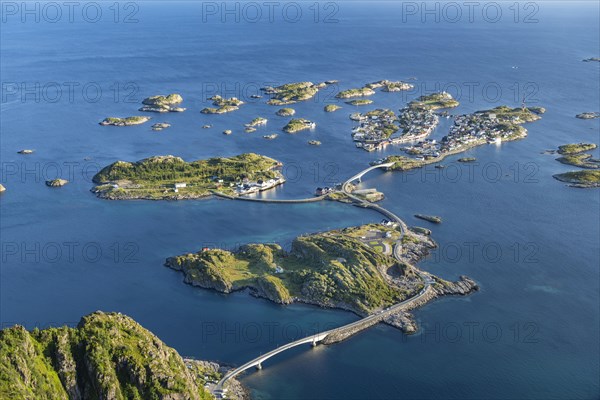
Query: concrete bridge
point(358, 176)
point(335, 335)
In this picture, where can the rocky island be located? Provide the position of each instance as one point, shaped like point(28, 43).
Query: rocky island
point(580, 179)
point(291, 93)
point(286, 112)
point(128, 121)
point(588, 115)
point(352, 269)
point(2, 188)
point(172, 178)
point(56, 182)
point(361, 92)
point(298, 124)
point(162, 104)
point(107, 356)
point(223, 105)
point(360, 102)
point(331, 108)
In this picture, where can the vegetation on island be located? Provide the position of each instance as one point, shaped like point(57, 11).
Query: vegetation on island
point(107, 356)
point(331, 108)
point(257, 122)
point(286, 112)
point(573, 154)
point(156, 177)
point(583, 179)
point(223, 105)
point(345, 268)
point(434, 101)
point(56, 182)
point(298, 124)
point(359, 102)
point(291, 93)
point(128, 121)
point(361, 92)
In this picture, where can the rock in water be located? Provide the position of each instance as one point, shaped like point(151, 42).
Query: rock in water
point(57, 182)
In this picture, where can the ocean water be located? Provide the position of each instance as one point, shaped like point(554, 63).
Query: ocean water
point(529, 241)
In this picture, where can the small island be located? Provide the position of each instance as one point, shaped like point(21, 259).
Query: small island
point(128, 121)
point(223, 105)
point(434, 101)
point(298, 124)
point(331, 108)
point(271, 136)
point(291, 93)
point(430, 218)
point(162, 104)
point(588, 115)
point(25, 151)
point(172, 178)
point(360, 102)
point(2, 188)
point(56, 182)
point(580, 179)
point(259, 121)
point(314, 142)
point(286, 112)
point(159, 126)
point(390, 86)
point(107, 355)
point(591, 59)
point(574, 154)
point(352, 268)
point(227, 132)
point(467, 159)
point(362, 92)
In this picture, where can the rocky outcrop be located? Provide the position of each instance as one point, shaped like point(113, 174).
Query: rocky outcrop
point(159, 126)
point(107, 356)
point(2, 188)
point(162, 104)
point(128, 121)
point(57, 182)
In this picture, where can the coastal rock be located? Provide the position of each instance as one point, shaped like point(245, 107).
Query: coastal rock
point(331, 108)
point(430, 218)
point(159, 126)
point(207, 126)
point(57, 182)
point(588, 115)
point(227, 132)
point(2, 188)
point(463, 286)
point(402, 320)
point(314, 142)
point(25, 151)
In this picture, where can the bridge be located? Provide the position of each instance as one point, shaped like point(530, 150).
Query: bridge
point(361, 173)
point(345, 331)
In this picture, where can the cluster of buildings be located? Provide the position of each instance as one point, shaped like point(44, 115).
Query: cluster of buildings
point(477, 129)
point(249, 187)
point(374, 129)
point(417, 123)
point(322, 191)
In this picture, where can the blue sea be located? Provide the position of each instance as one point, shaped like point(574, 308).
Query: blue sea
point(531, 242)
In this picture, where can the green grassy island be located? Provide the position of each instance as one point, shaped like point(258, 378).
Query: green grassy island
point(223, 105)
point(359, 102)
point(128, 121)
point(362, 92)
point(575, 148)
point(259, 121)
point(582, 179)
point(172, 178)
point(107, 356)
point(352, 268)
point(332, 269)
point(434, 101)
point(291, 93)
point(298, 124)
point(331, 108)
